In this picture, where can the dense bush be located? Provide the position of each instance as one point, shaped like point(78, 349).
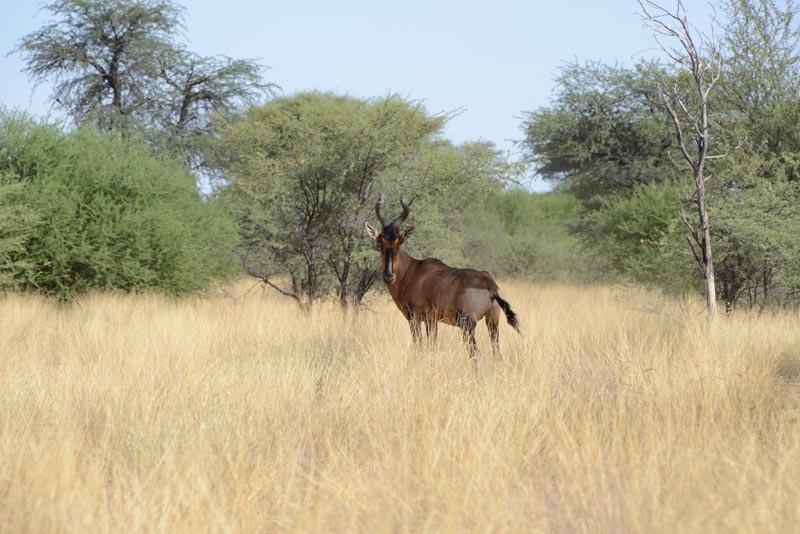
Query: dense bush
point(101, 212)
point(642, 238)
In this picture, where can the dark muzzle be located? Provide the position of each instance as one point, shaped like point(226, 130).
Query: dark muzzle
point(388, 274)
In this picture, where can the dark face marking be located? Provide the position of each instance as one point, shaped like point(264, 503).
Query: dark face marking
point(388, 273)
point(390, 233)
point(389, 244)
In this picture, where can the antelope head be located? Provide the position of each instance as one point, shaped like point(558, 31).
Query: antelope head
point(389, 238)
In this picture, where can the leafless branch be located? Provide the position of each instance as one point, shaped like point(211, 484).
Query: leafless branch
point(264, 278)
point(677, 123)
point(687, 114)
point(697, 257)
point(691, 228)
point(739, 145)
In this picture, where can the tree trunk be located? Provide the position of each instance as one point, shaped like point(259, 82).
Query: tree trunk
point(344, 299)
point(708, 260)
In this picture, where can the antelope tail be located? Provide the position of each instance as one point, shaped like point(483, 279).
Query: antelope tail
point(511, 317)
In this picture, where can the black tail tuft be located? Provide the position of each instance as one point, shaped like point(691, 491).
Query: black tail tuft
point(511, 317)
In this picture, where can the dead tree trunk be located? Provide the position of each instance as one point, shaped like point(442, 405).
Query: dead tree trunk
point(691, 114)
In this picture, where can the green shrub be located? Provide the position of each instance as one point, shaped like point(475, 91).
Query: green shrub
point(642, 237)
point(104, 213)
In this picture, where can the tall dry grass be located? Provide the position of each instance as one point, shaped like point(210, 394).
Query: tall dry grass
point(613, 412)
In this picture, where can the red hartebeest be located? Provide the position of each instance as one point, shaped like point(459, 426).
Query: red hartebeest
point(428, 291)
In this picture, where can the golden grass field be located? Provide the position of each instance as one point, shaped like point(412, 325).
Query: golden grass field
point(612, 412)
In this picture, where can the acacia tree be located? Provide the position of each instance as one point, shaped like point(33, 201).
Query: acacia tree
point(116, 64)
point(100, 55)
point(756, 242)
point(606, 132)
point(762, 72)
point(701, 60)
point(302, 174)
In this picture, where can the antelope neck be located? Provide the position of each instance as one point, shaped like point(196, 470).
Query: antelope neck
point(402, 263)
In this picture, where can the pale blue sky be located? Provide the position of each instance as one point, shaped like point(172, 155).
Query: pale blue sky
point(493, 60)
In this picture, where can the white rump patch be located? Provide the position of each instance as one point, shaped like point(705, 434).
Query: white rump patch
point(475, 302)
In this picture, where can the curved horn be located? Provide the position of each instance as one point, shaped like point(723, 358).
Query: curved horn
point(406, 210)
point(379, 211)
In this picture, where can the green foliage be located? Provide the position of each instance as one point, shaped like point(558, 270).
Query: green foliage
point(755, 211)
point(97, 52)
point(15, 223)
point(605, 133)
point(189, 91)
point(522, 234)
point(756, 233)
point(762, 68)
point(102, 213)
point(304, 174)
point(453, 187)
point(642, 237)
point(606, 139)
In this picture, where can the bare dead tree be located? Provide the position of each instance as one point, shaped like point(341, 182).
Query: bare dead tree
point(701, 59)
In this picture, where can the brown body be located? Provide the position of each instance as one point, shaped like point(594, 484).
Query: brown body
point(428, 291)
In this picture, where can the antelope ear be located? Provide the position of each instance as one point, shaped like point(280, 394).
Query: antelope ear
point(373, 233)
point(408, 232)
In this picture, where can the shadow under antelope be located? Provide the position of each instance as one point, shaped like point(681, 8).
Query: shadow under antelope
point(428, 291)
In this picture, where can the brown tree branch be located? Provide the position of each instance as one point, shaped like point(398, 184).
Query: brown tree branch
point(264, 278)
